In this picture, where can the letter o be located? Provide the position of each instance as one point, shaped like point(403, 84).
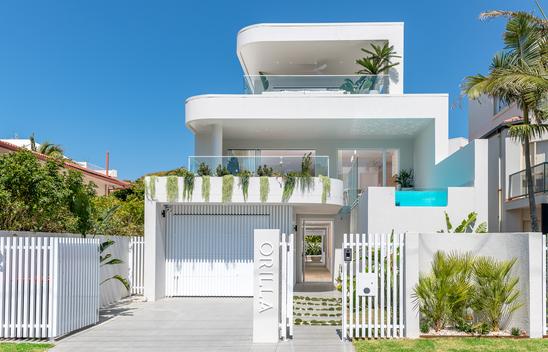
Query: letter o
point(266, 249)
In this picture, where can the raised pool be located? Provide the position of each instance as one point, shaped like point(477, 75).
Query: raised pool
point(421, 198)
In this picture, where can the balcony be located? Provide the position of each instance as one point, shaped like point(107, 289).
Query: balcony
point(275, 165)
point(518, 182)
point(313, 84)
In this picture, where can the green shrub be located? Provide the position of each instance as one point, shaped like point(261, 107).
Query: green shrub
point(424, 327)
point(228, 186)
point(515, 331)
point(172, 188)
point(290, 181)
point(221, 171)
point(264, 188)
point(326, 187)
point(265, 171)
point(496, 293)
point(206, 187)
point(443, 295)
point(204, 170)
point(244, 176)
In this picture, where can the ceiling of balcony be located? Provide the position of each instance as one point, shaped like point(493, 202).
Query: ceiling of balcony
point(291, 129)
point(304, 58)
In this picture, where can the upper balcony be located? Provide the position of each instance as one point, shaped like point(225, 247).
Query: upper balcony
point(316, 84)
point(312, 56)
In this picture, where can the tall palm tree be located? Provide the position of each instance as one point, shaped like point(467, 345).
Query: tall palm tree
point(519, 75)
point(50, 149)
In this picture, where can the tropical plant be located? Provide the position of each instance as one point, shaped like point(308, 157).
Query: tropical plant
point(305, 180)
point(466, 225)
point(443, 295)
point(405, 178)
point(244, 176)
point(206, 187)
point(204, 170)
point(228, 186)
point(326, 187)
point(221, 171)
point(106, 259)
point(313, 245)
point(289, 183)
point(264, 188)
point(518, 75)
point(50, 149)
point(265, 171)
point(379, 59)
point(172, 188)
point(188, 186)
point(361, 85)
point(496, 293)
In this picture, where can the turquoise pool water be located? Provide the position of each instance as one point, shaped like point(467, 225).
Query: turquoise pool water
point(421, 198)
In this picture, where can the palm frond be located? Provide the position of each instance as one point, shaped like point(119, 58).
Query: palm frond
point(120, 279)
point(522, 132)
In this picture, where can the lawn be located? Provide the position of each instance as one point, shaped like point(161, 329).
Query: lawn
point(24, 347)
point(453, 345)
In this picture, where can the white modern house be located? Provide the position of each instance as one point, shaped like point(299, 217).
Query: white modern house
point(304, 103)
point(490, 118)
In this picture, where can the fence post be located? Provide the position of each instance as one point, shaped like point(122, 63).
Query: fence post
point(411, 278)
point(536, 300)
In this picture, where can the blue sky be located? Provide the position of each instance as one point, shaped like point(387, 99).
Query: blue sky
point(114, 75)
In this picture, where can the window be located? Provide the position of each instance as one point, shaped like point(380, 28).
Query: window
point(499, 105)
point(280, 160)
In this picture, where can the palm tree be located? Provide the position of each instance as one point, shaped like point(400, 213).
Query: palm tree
point(518, 75)
point(50, 149)
point(379, 60)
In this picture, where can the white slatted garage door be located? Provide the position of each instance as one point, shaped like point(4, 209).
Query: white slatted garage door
point(211, 255)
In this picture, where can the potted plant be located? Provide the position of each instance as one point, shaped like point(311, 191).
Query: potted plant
point(378, 62)
point(405, 179)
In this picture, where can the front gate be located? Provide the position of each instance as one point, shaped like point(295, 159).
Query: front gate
point(372, 286)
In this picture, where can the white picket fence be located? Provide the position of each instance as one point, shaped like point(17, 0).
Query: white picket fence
point(286, 276)
point(137, 265)
point(48, 286)
point(381, 313)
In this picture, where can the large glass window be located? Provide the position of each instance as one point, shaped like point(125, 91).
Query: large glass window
point(280, 160)
point(368, 167)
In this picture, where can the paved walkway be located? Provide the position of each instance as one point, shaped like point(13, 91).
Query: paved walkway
point(190, 324)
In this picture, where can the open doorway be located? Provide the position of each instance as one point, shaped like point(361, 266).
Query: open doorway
point(317, 251)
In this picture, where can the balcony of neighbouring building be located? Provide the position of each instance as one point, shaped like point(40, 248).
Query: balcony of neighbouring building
point(316, 84)
point(518, 182)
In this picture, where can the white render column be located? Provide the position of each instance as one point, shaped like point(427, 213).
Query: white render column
point(154, 251)
point(208, 141)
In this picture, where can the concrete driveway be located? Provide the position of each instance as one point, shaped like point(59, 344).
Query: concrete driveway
point(190, 324)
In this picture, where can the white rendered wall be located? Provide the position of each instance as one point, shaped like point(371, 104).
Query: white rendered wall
point(209, 141)
point(481, 117)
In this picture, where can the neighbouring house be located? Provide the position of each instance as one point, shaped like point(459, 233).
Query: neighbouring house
point(305, 107)
point(105, 181)
point(490, 118)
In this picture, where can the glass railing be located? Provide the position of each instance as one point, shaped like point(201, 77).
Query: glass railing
point(277, 165)
point(348, 84)
point(351, 187)
point(518, 181)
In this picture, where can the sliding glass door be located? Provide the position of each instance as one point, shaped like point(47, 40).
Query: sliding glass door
point(368, 167)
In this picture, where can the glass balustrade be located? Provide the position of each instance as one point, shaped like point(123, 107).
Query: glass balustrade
point(518, 181)
point(336, 84)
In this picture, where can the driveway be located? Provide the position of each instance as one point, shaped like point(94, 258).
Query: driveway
point(190, 324)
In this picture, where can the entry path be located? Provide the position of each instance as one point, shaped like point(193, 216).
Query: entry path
point(190, 324)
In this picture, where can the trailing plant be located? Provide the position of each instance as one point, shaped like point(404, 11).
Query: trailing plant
point(305, 180)
point(496, 293)
point(326, 187)
point(172, 188)
point(265, 171)
point(206, 187)
point(221, 171)
point(444, 294)
point(244, 176)
point(151, 189)
point(204, 170)
point(289, 181)
point(264, 188)
point(405, 179)
point(466, 225)
point(188, 186)
point(228, 186)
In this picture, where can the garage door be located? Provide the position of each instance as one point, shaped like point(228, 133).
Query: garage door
point(211, 255)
